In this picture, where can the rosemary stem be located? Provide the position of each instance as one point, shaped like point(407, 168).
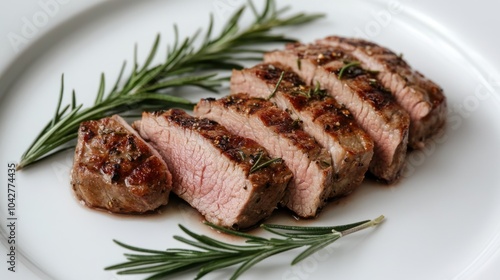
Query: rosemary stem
point(363, 226)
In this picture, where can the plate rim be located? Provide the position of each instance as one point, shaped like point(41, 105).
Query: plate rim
point(469, 54)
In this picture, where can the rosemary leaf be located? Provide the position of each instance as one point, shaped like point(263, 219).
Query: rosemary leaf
point(73, 101)
point(58, 107)
point(276, 86)
point(100, 93)
point(316, 247)
point(257, 165)
point(346, 67)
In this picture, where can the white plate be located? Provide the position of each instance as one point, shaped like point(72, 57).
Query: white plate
point(442, 217)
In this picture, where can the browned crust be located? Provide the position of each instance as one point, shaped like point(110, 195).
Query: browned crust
point(243, 151)
point(268, 183)
point(324, 116)
point(116, 170)
point(422, 98)
point(271, 116)
point(359, 90)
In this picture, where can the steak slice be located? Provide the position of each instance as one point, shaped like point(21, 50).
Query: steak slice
point(331, 124)
point(372, 106)
point(284, 138)
point(214, 170)
point(116, 170)
point(419, 96)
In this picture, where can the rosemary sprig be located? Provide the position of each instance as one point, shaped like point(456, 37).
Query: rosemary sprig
point(187, 64)
point(213, 254)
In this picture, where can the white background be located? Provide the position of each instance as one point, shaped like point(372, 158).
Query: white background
point(474, 22)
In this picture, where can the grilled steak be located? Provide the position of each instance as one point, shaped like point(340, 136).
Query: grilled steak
point(284, 138)
point(331, 124)
point(420, 97)
point(215, 171)
point(114, 169)
point(371, 105)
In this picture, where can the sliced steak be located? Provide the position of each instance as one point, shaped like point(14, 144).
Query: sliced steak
point(331, 124)
point(372, 106)
point(116, 170)
point(215, 170)
point(419, 96)
point(284, 138)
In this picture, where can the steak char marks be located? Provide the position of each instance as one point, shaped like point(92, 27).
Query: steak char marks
point(419, 96)
point(284, 138)
point(114, 169)
point(372, 106)
point(214, 170)
point(331, 124)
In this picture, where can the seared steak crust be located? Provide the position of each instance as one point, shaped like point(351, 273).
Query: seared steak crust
point(284, 138)
point(114, 169)
point(419, 96)
point(372, 106)
point(331, 124)
point(212, 168)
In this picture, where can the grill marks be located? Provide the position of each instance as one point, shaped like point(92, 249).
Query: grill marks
point(211, 168)
point(274, 129)
point(358, 89)
point(422, 98)
point(331, 124)
point(114, 169)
